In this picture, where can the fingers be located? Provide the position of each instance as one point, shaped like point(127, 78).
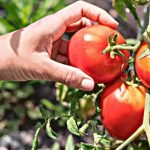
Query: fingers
point(60, 47)
point(63, 47)
point(69, 75)
point(76, 11)
point(62, 59)
point(83, 22)
point(56, 24)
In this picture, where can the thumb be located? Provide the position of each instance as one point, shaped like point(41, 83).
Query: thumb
point(71, 76)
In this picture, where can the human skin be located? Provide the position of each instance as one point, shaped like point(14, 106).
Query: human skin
point(38, 52)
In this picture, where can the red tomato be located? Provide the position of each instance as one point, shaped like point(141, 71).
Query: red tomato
point(122, 108)
point(85, 52)
point(142, 65)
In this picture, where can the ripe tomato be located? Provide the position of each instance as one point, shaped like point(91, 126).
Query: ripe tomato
point(85, 52)
point(122, 108)
point(142, 65)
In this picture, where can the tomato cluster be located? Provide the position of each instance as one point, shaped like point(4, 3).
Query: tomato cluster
point(122, 105)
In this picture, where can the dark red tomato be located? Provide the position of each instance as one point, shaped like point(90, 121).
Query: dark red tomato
point(85, 52)
point(122, 108)
point(142, 65)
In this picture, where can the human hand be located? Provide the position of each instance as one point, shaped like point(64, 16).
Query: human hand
point(38, 52)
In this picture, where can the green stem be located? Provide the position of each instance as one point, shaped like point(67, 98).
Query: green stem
point(146, 117)
point(35, 139)
point(137, 46)
point(123, 46)
point(112, 48)
point(146, 34)
point(84, 129)
point(131, 138)
point(145, 21)
point(146, 110)
point(149, 11)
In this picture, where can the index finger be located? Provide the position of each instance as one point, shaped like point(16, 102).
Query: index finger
point(80, 9)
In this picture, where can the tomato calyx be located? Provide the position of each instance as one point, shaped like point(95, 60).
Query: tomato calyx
point(130, 82)
point(129, 76)
point(112, 41)
point(130, 79)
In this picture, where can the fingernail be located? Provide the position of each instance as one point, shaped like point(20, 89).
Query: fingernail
point(87, 84)
point(116, 23)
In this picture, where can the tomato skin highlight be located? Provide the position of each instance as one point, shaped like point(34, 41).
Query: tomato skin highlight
point(142, 65)
point(85, 52)
point(122, 108)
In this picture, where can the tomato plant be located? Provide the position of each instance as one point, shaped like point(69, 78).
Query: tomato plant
point(85, 52)
point(122, 108)
point(75, 111)
point(142, 64)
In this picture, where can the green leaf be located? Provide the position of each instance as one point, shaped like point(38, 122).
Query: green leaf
point(75, 100)
point(86, 146)
point(131, 5)
point(55, 146)
point(5, 26)
point(100, 148)
point(48, 104)
point(34, 113)
point(13, 124)
point(79, 121)
point(25, 9)
point(45, 113)
point(73, 108)
point(100, 139)
point(145, 53)
point(49, 131)
point(120, 7)
point(61, 91)
point(72, 126)
point(12, 13)
point(69, 143)
point(8, 85)
point(39, 126)
point(47, 7)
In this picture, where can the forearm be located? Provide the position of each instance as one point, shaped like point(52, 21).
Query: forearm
point(6, 54)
